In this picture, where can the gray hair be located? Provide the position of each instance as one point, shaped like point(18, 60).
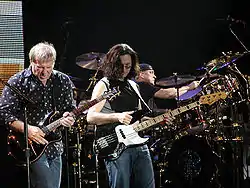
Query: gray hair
point(42, 52)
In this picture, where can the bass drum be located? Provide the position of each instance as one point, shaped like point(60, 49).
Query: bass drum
point(191, 162)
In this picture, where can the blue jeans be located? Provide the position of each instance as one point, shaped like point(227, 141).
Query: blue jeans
point(132, 169)
point(46, 173)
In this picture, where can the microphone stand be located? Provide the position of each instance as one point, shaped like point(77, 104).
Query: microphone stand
point(231, 30)
point(27, 149)
point(237, 38)
point(177, 89)
point(96, 158)
point(234, 66)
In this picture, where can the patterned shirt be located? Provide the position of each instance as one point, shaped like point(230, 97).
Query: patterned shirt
point(56, 95)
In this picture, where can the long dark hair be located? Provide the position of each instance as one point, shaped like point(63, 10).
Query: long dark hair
point(113, 68)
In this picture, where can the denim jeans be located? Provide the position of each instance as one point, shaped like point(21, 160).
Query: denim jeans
point(132, 169)
point(46, 173)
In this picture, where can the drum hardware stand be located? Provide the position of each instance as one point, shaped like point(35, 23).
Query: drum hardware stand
point(160, 177)
point(74, 173)
point(96, 159)
point(66, 141)
point(237, 165)
point(235, 70)
point(231, 30)
point(93, 79)
point(177, 89)
point(218, 122)
point(237, 171)
point(177, 95)
point(246, 161)
point(25, 102)
point(77, 165)
point(246, 158)
point(162, 170)
point(201, 120)
point(237, 38)
point(248, 87)
point(79, 149)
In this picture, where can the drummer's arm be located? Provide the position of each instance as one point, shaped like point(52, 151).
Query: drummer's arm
point(171, 93)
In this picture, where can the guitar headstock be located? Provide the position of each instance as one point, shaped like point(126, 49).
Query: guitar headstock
point(110, 95)
point(212, 98)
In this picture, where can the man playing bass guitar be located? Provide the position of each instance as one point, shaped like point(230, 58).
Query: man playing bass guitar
point(133, 168)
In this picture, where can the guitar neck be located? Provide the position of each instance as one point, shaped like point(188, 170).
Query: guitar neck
point(52, 126)
point(158, 119)
point(87, 105)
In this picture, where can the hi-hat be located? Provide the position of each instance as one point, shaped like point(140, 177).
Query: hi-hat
point(92, 60)
point(172, 81)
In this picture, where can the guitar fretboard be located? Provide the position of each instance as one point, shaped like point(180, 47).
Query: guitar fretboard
point(52, 126)
point(87, 105)
point(158, 119)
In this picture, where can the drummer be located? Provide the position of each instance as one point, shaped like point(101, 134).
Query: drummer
point(146, 81)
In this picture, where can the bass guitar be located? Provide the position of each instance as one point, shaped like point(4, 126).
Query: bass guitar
point(16, 142)
point(112, 142)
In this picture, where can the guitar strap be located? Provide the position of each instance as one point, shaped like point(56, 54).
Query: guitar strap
point(135, 88)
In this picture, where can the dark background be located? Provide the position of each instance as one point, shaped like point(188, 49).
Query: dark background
point(174, 36)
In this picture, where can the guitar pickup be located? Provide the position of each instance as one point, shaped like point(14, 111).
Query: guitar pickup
point(123, 135)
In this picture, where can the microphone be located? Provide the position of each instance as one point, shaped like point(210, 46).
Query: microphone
point(231, 20)
point(67, 24)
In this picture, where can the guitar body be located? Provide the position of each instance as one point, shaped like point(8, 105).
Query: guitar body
point(112, 141)
point(106, 141)
point(16, 142)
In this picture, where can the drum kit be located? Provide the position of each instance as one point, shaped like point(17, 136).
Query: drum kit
point(205, 145)
point(213, 134)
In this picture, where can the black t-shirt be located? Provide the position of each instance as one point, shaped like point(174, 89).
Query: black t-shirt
point(127, 100)
point(147, 90)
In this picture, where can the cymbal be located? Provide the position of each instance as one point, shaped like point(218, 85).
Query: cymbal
point(171, 81)
point(92, 60)
point(190, 94)
point(223, 61)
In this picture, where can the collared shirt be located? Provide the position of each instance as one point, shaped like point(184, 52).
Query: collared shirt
point(57, 95)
